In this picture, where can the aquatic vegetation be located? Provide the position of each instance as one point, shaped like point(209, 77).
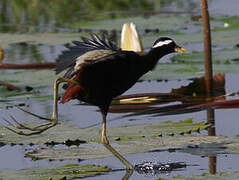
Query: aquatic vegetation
point(67, 171)
point(43, 45)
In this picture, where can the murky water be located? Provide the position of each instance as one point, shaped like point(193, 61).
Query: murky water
point(13, 156)
point(83, 116)
point(226, 125)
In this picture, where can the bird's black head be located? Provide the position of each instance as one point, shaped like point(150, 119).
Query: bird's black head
point(168, 45)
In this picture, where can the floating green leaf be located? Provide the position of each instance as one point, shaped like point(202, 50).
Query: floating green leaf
point(67, 171)
point(63, 132)
point(128, 139)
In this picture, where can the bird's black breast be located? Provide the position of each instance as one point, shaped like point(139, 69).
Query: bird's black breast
point(111, 76)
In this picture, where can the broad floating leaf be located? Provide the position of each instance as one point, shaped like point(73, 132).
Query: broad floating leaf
point(63, 132)
point(67, 171)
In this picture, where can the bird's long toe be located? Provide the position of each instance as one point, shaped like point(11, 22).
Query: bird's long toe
point(25, 130)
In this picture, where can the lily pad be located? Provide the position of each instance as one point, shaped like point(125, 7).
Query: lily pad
point(96, 151)
point(127, 139)
point(63, 132)
point(41, 83)
point(228, 23)
point(182, 67)
point(38, 38)
point(67, 171)
point(37, 79)
point(163, 23)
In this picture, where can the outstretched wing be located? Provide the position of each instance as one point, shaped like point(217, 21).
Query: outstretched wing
point(69, 57)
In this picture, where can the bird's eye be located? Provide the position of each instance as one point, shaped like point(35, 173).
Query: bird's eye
point(162, 43)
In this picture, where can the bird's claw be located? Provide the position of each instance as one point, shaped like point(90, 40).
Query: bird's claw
point(22, 129)
point(25, 130)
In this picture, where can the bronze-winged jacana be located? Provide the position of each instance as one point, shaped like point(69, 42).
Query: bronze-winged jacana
point(98, 71)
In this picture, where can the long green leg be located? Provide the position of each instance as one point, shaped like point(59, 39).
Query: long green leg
point(106, 143)
point(59, 80)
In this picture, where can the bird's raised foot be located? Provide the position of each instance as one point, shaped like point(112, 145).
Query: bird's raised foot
point(24, 130)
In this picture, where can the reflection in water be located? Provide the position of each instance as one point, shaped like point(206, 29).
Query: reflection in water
point(211, 120)
point(212, 164)
point(152, 168)
point(128, 174)
point(212, 132)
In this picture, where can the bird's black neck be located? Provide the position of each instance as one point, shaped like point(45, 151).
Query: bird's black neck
point(154, 55)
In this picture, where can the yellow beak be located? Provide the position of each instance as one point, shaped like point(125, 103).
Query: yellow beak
point(181, 50)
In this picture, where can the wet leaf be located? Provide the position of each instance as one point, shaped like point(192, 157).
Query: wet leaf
point(183, 66)
point(41, 81)
point(172, 71)
point(204, 145)
point(64, 132)
point(67, 171)
point(37, 38)
point(165, 23)
point(128, 139)
point(227, 23)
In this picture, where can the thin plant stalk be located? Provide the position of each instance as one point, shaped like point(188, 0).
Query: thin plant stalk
point(207, 47)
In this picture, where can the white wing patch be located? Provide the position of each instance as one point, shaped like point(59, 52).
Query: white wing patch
point(91, 56)
point(161, 43)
